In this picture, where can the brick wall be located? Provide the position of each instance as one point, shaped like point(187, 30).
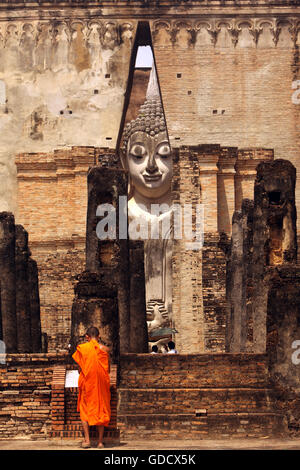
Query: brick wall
point(52, 205)
point(200, 394)
point(197, 395)
point(57, 277)
point(65, 417)
point(221, 84)
point(25, 394)
point(193, 370)
point(214, 293)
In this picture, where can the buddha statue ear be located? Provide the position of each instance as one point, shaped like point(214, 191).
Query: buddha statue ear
point(124, 161)
point(123, 158)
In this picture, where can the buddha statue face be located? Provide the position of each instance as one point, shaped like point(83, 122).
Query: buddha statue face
point(149, 162)
point(146, 152)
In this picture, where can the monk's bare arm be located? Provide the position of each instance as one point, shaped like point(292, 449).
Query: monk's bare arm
point(76, 360)
point(106, 349)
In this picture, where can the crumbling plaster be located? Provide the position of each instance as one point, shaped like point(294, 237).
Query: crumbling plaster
point(62, 83)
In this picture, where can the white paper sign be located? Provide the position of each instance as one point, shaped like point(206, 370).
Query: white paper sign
point(71, 378)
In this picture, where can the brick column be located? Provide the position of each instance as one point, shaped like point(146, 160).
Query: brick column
point(187, 305)
point(213, 259)
point(208, 157)
point(22, 291)
point(245, 167)
point(237, 326)
point(274, 237)
point(58, 398)
point(34, 298)
point(64, 192)
point(226, 188)
point(138, 324)
point(83, 158)
point(8, 281)
point(107, 258)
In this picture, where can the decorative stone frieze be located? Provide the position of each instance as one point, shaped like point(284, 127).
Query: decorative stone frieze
point(234, 26)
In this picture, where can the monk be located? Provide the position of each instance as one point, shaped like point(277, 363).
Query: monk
point(94, 385)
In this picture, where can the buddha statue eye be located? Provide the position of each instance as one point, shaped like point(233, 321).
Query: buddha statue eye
point(164, 150)
point(138, 151)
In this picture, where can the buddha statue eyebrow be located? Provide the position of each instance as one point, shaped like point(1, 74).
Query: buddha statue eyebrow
point(141, 144)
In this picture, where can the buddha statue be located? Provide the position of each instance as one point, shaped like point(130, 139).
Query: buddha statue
point(146, 154)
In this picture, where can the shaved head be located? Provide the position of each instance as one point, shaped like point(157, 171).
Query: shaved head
point(92, 332)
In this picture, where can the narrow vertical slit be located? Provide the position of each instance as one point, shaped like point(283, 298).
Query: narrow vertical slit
point(141, 59)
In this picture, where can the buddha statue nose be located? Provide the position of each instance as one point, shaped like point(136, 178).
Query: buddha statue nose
point(151, 164)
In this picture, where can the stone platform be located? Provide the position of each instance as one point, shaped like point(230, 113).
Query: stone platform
point(197, 396)
point(193, 396)
point(35, 404)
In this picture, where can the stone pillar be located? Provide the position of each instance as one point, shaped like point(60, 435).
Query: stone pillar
point(22, 291)
point(237, 287)
point(34, 300)
point(283, 331)
point(138, 324)
point(8, 281)
point(213, 259)
point(274, 235)
point(123, 297)
point(239, 269)
point(246, 164)
point(95, 304)
point(106, 186)
point(226, 188)
point(83, 158)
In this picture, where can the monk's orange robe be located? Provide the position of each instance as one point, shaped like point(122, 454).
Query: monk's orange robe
point(93, 383)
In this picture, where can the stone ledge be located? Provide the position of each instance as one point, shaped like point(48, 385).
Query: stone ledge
point(129, 5)
point(213, 425)
point(211, 357)
point(35, 359)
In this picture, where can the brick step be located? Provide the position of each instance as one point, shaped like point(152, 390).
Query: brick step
point(248, 424)
point(150, 400)
point(75, 421)
point(78, 427)
point(74, 418)
point(216, 425)
point(110, 435)
point(72, 415)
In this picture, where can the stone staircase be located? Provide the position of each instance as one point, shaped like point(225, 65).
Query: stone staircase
point(197, 396)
